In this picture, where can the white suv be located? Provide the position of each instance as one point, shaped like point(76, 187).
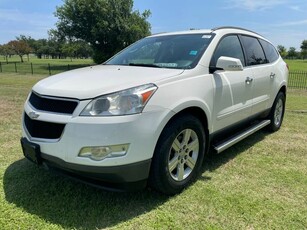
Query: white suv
point(149, 114)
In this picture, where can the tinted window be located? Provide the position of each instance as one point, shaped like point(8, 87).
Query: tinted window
point(229, 46)
point(269, 50)
point(254, 51)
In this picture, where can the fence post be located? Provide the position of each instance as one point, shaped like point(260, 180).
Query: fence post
point(15, 67)
point(305, 80)
point(68, 67)
point(49, 69)
point(0, 67)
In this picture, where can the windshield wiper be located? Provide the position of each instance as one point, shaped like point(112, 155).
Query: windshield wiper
point(144, 65)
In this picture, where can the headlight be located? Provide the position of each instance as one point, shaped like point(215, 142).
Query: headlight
point(130, 101)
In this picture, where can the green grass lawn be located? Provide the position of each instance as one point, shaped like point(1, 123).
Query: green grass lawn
point(260, 183)
point(297, 65)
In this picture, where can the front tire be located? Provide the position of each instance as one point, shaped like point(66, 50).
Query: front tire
point(277, 112)
point(178, 155)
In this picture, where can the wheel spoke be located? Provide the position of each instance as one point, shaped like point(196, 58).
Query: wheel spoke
point(187, 136)
point(194, 146)
point(180, 172)
point(279, 107)
point(176, 145)
point(190, 162)
point(173, 164)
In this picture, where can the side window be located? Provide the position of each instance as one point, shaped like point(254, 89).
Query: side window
point(254, 51)
point(270, 51)
point(229, 46)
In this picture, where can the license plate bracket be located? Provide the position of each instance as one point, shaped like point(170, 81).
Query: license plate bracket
point(31, 151)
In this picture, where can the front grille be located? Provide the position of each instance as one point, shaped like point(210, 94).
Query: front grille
point(42, 129)
point(55, 105)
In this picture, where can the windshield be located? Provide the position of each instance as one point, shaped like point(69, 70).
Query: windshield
point(169, 51)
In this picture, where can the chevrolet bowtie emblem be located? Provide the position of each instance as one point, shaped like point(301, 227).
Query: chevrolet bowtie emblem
point(33, 115)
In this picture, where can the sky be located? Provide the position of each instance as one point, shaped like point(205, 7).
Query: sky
point(283, 22)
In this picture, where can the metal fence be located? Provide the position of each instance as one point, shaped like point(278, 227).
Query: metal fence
point(26, 67)
point(297, 79)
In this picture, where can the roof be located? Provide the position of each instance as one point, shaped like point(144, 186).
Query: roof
point(229, 29)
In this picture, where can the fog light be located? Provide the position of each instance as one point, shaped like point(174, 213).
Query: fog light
point(99, 153)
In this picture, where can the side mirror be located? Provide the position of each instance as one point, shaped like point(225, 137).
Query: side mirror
point(228, 64)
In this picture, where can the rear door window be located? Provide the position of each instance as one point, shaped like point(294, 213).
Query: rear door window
point(253, 50)
point(270, 51)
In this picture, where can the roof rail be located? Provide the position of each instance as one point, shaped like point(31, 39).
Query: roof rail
point(233, 27)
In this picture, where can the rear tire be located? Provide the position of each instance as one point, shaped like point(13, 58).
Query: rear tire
point(178, 155)
point(277, 112)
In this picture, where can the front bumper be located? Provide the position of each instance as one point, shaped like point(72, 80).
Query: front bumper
point(119, 178)
point(139, 131)
point(60, 138)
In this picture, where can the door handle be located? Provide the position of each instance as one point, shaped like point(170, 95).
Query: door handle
point(272, 75)
point(249, 80)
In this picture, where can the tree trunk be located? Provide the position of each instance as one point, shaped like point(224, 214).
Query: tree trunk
point(21, 59)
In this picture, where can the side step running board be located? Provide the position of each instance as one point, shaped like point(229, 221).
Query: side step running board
point(220, 147)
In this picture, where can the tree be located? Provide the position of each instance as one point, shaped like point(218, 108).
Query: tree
point(20, 48)
point(56, 41)
point(107, 25)
point(304, 49)
point(76, 49)
point(6, 51)
point(42, 48)
point(282, 51)
point(84, 50)
point(30, 41)
point(292, 53)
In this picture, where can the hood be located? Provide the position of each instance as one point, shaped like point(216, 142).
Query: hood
point(98, 80)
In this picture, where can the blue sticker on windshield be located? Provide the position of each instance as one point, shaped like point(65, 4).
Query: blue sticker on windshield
point(193, 52)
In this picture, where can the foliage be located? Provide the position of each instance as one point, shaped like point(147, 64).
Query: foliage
point(28, 39)
point(304, 49)
point(107, 25)
point(55, 47)
point(20, 48)
point(76, 49)
point(6, 51)
point(42, 47)
point(282, 51)
point(292, 53)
